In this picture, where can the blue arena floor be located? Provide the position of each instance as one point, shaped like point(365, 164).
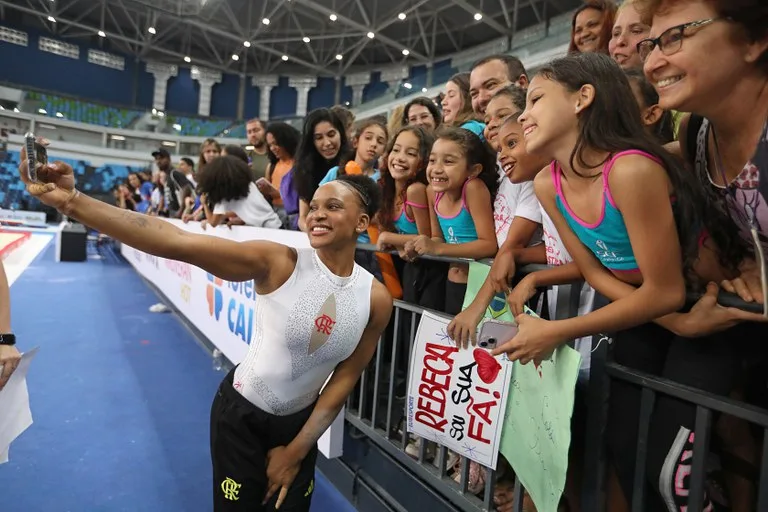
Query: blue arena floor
point(120, 398)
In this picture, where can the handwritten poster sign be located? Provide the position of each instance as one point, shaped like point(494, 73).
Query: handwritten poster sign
point(456, 398)
point(537, 425)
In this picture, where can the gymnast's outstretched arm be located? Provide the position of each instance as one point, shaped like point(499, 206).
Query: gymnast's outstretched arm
point(233, 261)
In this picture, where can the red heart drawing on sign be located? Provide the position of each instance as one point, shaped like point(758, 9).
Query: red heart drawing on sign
point(488, 367)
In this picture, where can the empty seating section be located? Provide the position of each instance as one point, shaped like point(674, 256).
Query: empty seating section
point(90, 179)
point(13, 194)
point(82, 111)
point(237, 131)
point(196, 127)
point(102, 115)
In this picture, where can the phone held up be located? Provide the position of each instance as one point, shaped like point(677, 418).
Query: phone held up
point(37, 155)
point(495, 332)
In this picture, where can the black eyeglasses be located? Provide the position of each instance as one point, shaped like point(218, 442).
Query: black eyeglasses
point(671, 40)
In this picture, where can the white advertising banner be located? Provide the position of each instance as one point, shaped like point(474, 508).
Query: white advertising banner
point(221, 310)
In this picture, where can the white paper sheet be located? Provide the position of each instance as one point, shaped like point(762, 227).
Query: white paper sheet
point(16, 416)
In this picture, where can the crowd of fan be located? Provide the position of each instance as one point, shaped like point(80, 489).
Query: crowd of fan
point(622, 164)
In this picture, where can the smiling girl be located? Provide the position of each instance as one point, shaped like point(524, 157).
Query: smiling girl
point(609, 192)
point(457, 105)
point(462, 184)
point(369, 145)
point(404, 212)
point(521, 167)
point(516, 211)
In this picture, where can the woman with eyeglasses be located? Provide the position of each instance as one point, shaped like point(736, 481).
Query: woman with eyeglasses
point(710, 58)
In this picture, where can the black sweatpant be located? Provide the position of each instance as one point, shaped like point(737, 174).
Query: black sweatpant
point(454, 297)
point(712, 364)
point(241, 436)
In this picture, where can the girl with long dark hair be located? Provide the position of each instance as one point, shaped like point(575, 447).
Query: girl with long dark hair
point(323, 143)
point(463, 181)
point(610, 192)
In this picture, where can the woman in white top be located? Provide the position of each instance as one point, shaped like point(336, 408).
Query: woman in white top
point(227, 184)
point(318, 314)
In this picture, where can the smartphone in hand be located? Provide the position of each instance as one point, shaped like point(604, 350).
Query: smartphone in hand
point(37, 155)
point(494, 333)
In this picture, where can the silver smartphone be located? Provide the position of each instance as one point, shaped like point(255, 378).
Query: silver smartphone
point(36, 155)
point(495, 332)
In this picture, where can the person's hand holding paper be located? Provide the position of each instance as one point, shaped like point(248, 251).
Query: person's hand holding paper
point(9, 360)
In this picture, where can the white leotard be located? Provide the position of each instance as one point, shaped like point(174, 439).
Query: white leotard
point(302, 331)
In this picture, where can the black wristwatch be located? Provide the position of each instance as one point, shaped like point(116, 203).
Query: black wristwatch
point(7, 339)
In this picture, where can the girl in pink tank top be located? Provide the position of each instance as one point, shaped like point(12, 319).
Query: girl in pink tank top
point(608, 194)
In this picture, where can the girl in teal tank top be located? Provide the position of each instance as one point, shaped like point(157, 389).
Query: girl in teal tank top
point(462, 186)
point(404, 213)
point(609, 195)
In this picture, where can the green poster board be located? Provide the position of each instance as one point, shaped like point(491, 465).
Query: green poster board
point(536, 435)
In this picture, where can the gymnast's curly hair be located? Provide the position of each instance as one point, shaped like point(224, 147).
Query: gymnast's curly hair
point(225, 178)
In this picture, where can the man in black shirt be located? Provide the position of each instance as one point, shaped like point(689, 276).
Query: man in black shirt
point(177, 185)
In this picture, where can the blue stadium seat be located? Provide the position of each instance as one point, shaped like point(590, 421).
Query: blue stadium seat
point(198, 127)
point(84, 112)
point(91, 180)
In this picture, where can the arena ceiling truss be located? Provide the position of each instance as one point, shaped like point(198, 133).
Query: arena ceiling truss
point(286, 37)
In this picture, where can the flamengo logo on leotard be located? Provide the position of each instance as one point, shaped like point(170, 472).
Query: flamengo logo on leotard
point(324, 323)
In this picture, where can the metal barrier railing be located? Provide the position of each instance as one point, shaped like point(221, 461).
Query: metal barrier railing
point(603, 371)
point(379, 413)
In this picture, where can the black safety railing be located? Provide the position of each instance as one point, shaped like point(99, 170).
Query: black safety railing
point(377, 409)
point(603, 371)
